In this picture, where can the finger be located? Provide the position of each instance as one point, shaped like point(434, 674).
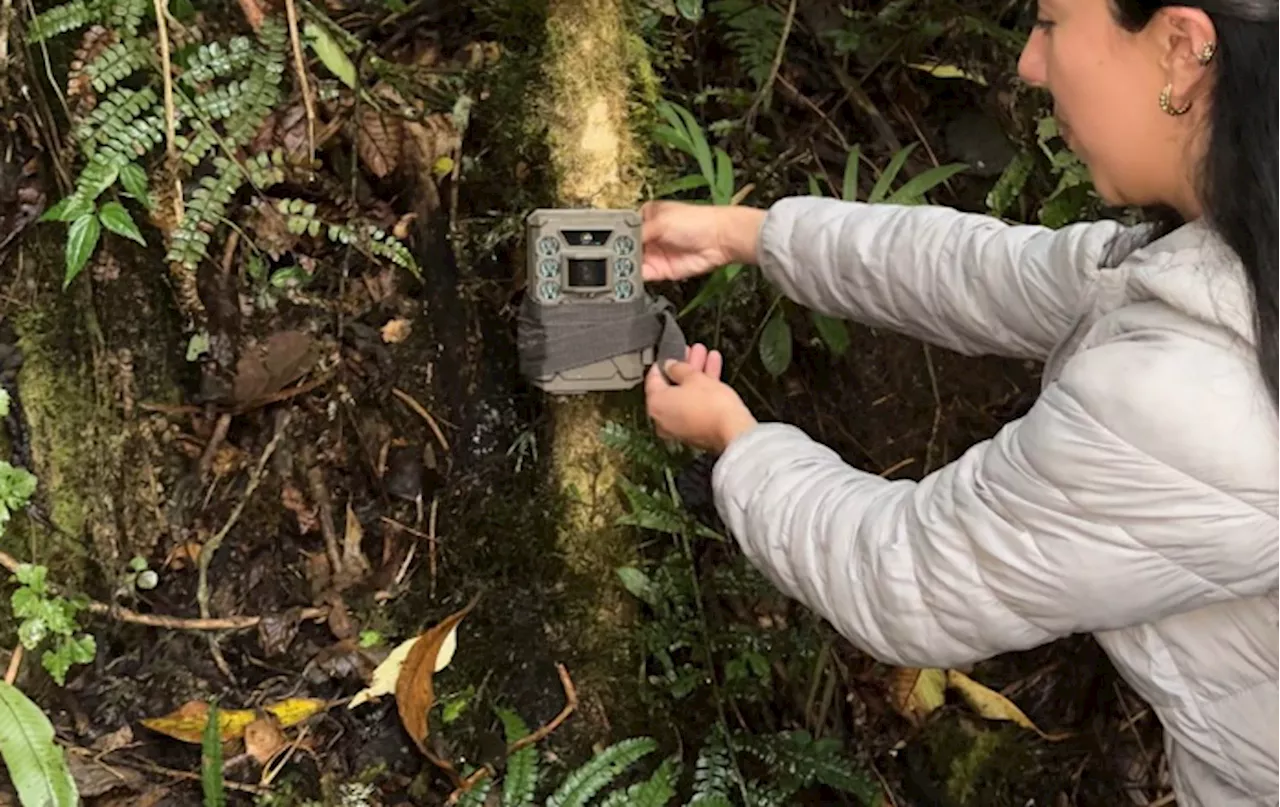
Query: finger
point(679, 371)
point(654, 382)
point(715, 364)
point(696, 356)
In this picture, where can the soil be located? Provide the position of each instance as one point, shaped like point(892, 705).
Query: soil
point(424, 443)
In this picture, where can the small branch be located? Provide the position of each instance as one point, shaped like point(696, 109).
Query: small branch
point(15, 661)
point(170, 114)
point(423, 413)
point(570, 704)
point(773, 68)
point(169, 622)
point(324, 507)
point(300, 67)
point(937, 411)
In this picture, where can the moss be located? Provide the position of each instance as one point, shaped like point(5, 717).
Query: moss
point(980, 764)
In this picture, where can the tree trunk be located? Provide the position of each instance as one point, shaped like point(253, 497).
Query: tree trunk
point(595, 162)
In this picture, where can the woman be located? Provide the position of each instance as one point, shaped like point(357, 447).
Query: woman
point(1137, 499)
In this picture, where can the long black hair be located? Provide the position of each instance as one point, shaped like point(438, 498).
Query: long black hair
point(1238, 179)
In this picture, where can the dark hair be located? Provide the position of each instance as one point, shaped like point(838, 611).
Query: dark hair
point(1238, 179)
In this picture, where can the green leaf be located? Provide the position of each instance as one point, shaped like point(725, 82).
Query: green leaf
point(1010, 184)
point(82, 240)
point(849, 188)
point(691, 10)
point(521, 779)
point(600, 771)
point(881, 188)
point(639, 584)
point(211, 761)
point(775, 345)
point(722, 192)
point(331, 54)
point(68, 208)
point(814, 188)
point(833, 331)
point(913, 190)
point(134, 180)
point(5, 401)
point(35, 763)
point(116, 219)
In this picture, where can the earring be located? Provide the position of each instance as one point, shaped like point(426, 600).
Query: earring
point(1166, 102)
point(1206, 52)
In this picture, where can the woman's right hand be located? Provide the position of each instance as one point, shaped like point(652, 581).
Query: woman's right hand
point(683, 240)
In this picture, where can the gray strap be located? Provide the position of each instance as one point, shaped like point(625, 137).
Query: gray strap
point(555, 338)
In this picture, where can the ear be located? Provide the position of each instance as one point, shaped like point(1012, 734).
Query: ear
point(1184, 37)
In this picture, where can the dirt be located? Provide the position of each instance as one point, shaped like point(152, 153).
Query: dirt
point(428, 440)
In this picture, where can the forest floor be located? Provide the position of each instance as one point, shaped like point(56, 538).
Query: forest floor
point(372, 460)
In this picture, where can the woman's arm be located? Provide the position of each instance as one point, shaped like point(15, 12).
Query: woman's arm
point(1141, 484)
point(963, 281)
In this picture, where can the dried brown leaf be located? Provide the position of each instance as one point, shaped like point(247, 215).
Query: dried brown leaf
point(183, 555)
point(270, 366)
point(415, 693)
point(379, 141)
point(263, 739)
point(93, 778)
point(296, 503)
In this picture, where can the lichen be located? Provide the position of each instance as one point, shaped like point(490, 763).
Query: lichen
point(979, 764)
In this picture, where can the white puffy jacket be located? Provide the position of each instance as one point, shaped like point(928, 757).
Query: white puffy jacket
point(1136, 500)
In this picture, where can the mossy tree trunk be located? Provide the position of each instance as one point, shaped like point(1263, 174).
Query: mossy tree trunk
point(595, 162)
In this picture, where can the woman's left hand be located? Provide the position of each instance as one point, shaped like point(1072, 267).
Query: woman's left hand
point(698, 408)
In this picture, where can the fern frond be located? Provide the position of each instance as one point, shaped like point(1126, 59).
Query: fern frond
point(754, 32)
point(214, 60)
point(600, 772)
point(521, 779)
point(658, 513)
point(118, 62)
point(126, 15)
point(641, 448)
point(476, 795)
point(373, 241)
point(266, 168)
point(713, 774)
point(189, 243)
point(61, 19)
point(656, 791)
point(797, 760)
point(112, 115)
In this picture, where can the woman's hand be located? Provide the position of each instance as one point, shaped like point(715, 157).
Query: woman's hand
point(698, 409)
point(683, 240)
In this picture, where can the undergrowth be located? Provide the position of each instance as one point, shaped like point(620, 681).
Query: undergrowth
point(223, 90)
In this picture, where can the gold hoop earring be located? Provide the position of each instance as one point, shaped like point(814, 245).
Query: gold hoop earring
point(1166, 102)
point(1206, 52)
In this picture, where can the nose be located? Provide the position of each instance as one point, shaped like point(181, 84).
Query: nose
point(1031, 64)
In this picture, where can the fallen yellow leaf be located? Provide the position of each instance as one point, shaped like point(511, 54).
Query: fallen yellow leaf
point(415, 692)
point(187, 722)
point(948, 71)
point(916, 692)
point(992, 705)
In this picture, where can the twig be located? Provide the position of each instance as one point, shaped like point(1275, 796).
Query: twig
point(300, 67)
point(1164, 801)
point(804, 99)
point(423, 413)
point(6, 12)
point(15, 661)
point(431, 542)
point(189, 776)
point(170, 622)
point(324, 508)
point(570, 704)
point(468, 783)
point(220, 430)
point(170, 114)
point(773, 68)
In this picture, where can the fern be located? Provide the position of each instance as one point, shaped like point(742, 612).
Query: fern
point(118, 62)
point(190, 240)
point(61, 19)
point(656, 791)
point(213, 60)
point(714, 776)
point(475, 797)
point(112, 115)
point(641, 448)
point(658, 513)
point(522, 767)
point(600, 772)
point(126, 15)
point(797, 760)
point(755, 29)
point(373, 241)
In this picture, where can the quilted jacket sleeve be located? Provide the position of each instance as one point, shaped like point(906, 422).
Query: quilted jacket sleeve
point(1141, 484)
point(963, 281)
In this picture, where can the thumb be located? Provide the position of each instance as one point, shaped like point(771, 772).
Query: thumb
point(679, 371)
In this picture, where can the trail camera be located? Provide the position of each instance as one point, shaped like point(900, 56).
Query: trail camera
point(586, 308)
